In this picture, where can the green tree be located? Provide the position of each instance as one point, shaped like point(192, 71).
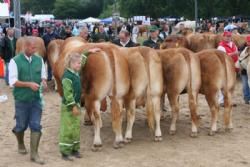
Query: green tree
point(77, 8)
point(37, 7)
point(206, 8)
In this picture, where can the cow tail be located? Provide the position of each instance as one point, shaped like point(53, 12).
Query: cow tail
point(188, 60)
point(149, 104)
point(221, 56)
point(115, 108)
point(192, 106)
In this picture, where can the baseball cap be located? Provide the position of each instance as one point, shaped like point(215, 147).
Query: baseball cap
point(153, 28)
point(227, 33)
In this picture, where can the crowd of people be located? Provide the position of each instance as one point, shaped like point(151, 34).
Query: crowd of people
point(25, 72)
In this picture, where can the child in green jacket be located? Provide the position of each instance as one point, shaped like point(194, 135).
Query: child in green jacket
point(70, 109)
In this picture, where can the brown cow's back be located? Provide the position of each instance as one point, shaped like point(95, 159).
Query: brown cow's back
point(39, 43)
point(218, 74)
point(181, 72)
point(53, 51)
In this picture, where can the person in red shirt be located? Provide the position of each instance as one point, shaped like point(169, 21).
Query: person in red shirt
point(229, 47)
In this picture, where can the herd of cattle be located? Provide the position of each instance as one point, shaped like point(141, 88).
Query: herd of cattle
point(142, 76)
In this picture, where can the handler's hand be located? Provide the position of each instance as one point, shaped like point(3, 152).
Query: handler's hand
point(34, 86)
point(75, 111)
point(234, 53)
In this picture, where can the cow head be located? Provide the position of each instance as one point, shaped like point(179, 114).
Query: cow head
point(244, 58)
point(174, 41)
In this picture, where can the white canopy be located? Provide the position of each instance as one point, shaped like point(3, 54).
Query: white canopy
point(43, 17)
point(90, 20)
point(4, 11)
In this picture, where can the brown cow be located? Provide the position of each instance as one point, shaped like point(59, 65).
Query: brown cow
point(143, 64)
point(174, 41)
point(142, 29)
point(40, 47)
point(217, 73)
point(106, 73)
point(199, 41)
point(181, 72)
point(195, 42)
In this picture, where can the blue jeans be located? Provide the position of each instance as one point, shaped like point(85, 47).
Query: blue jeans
point(6, 77)
point(246, 89)
point(28, 114)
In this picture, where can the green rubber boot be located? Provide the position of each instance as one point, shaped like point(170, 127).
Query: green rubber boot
point(20, 142)
point(34, 143)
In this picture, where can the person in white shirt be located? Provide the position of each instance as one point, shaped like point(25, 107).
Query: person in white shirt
point(27, 76)
point(165, 32)
point(124, 39)
point(135, 32)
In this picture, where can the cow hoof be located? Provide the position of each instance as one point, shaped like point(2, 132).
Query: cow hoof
point(211, 133)
point(172, 132)
point(229, 130)
point(118, 145)
point(158, 138)
point(87, 123)
point(122, 143)
point(194, 134)
point(127, 140)
point(96, 147)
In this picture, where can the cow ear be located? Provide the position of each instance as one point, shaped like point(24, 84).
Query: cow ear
point(248, 49)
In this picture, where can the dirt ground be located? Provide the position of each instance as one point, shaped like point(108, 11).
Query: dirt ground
point(222, 150)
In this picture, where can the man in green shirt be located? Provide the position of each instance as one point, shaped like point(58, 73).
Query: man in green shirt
point(154, 40)
point(27, 76)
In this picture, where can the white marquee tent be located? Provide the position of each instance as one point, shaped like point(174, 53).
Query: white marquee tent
point(90, 20)
point(43, 17)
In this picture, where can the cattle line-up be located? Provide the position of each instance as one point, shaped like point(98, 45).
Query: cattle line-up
point(142, 76)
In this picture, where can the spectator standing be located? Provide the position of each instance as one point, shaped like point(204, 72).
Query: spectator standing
point(8, 50)
point(135, 32)
point(49, 36)
point(154, 40)
point(124, 39)
point(101, 36)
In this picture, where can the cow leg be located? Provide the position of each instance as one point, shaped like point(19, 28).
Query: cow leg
point(96, 118)
point(157, 112)
point(130, 120)
point(116, 109)
point(173, 100)
point(228, 111)
point(214, 108)
point(193, 110)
